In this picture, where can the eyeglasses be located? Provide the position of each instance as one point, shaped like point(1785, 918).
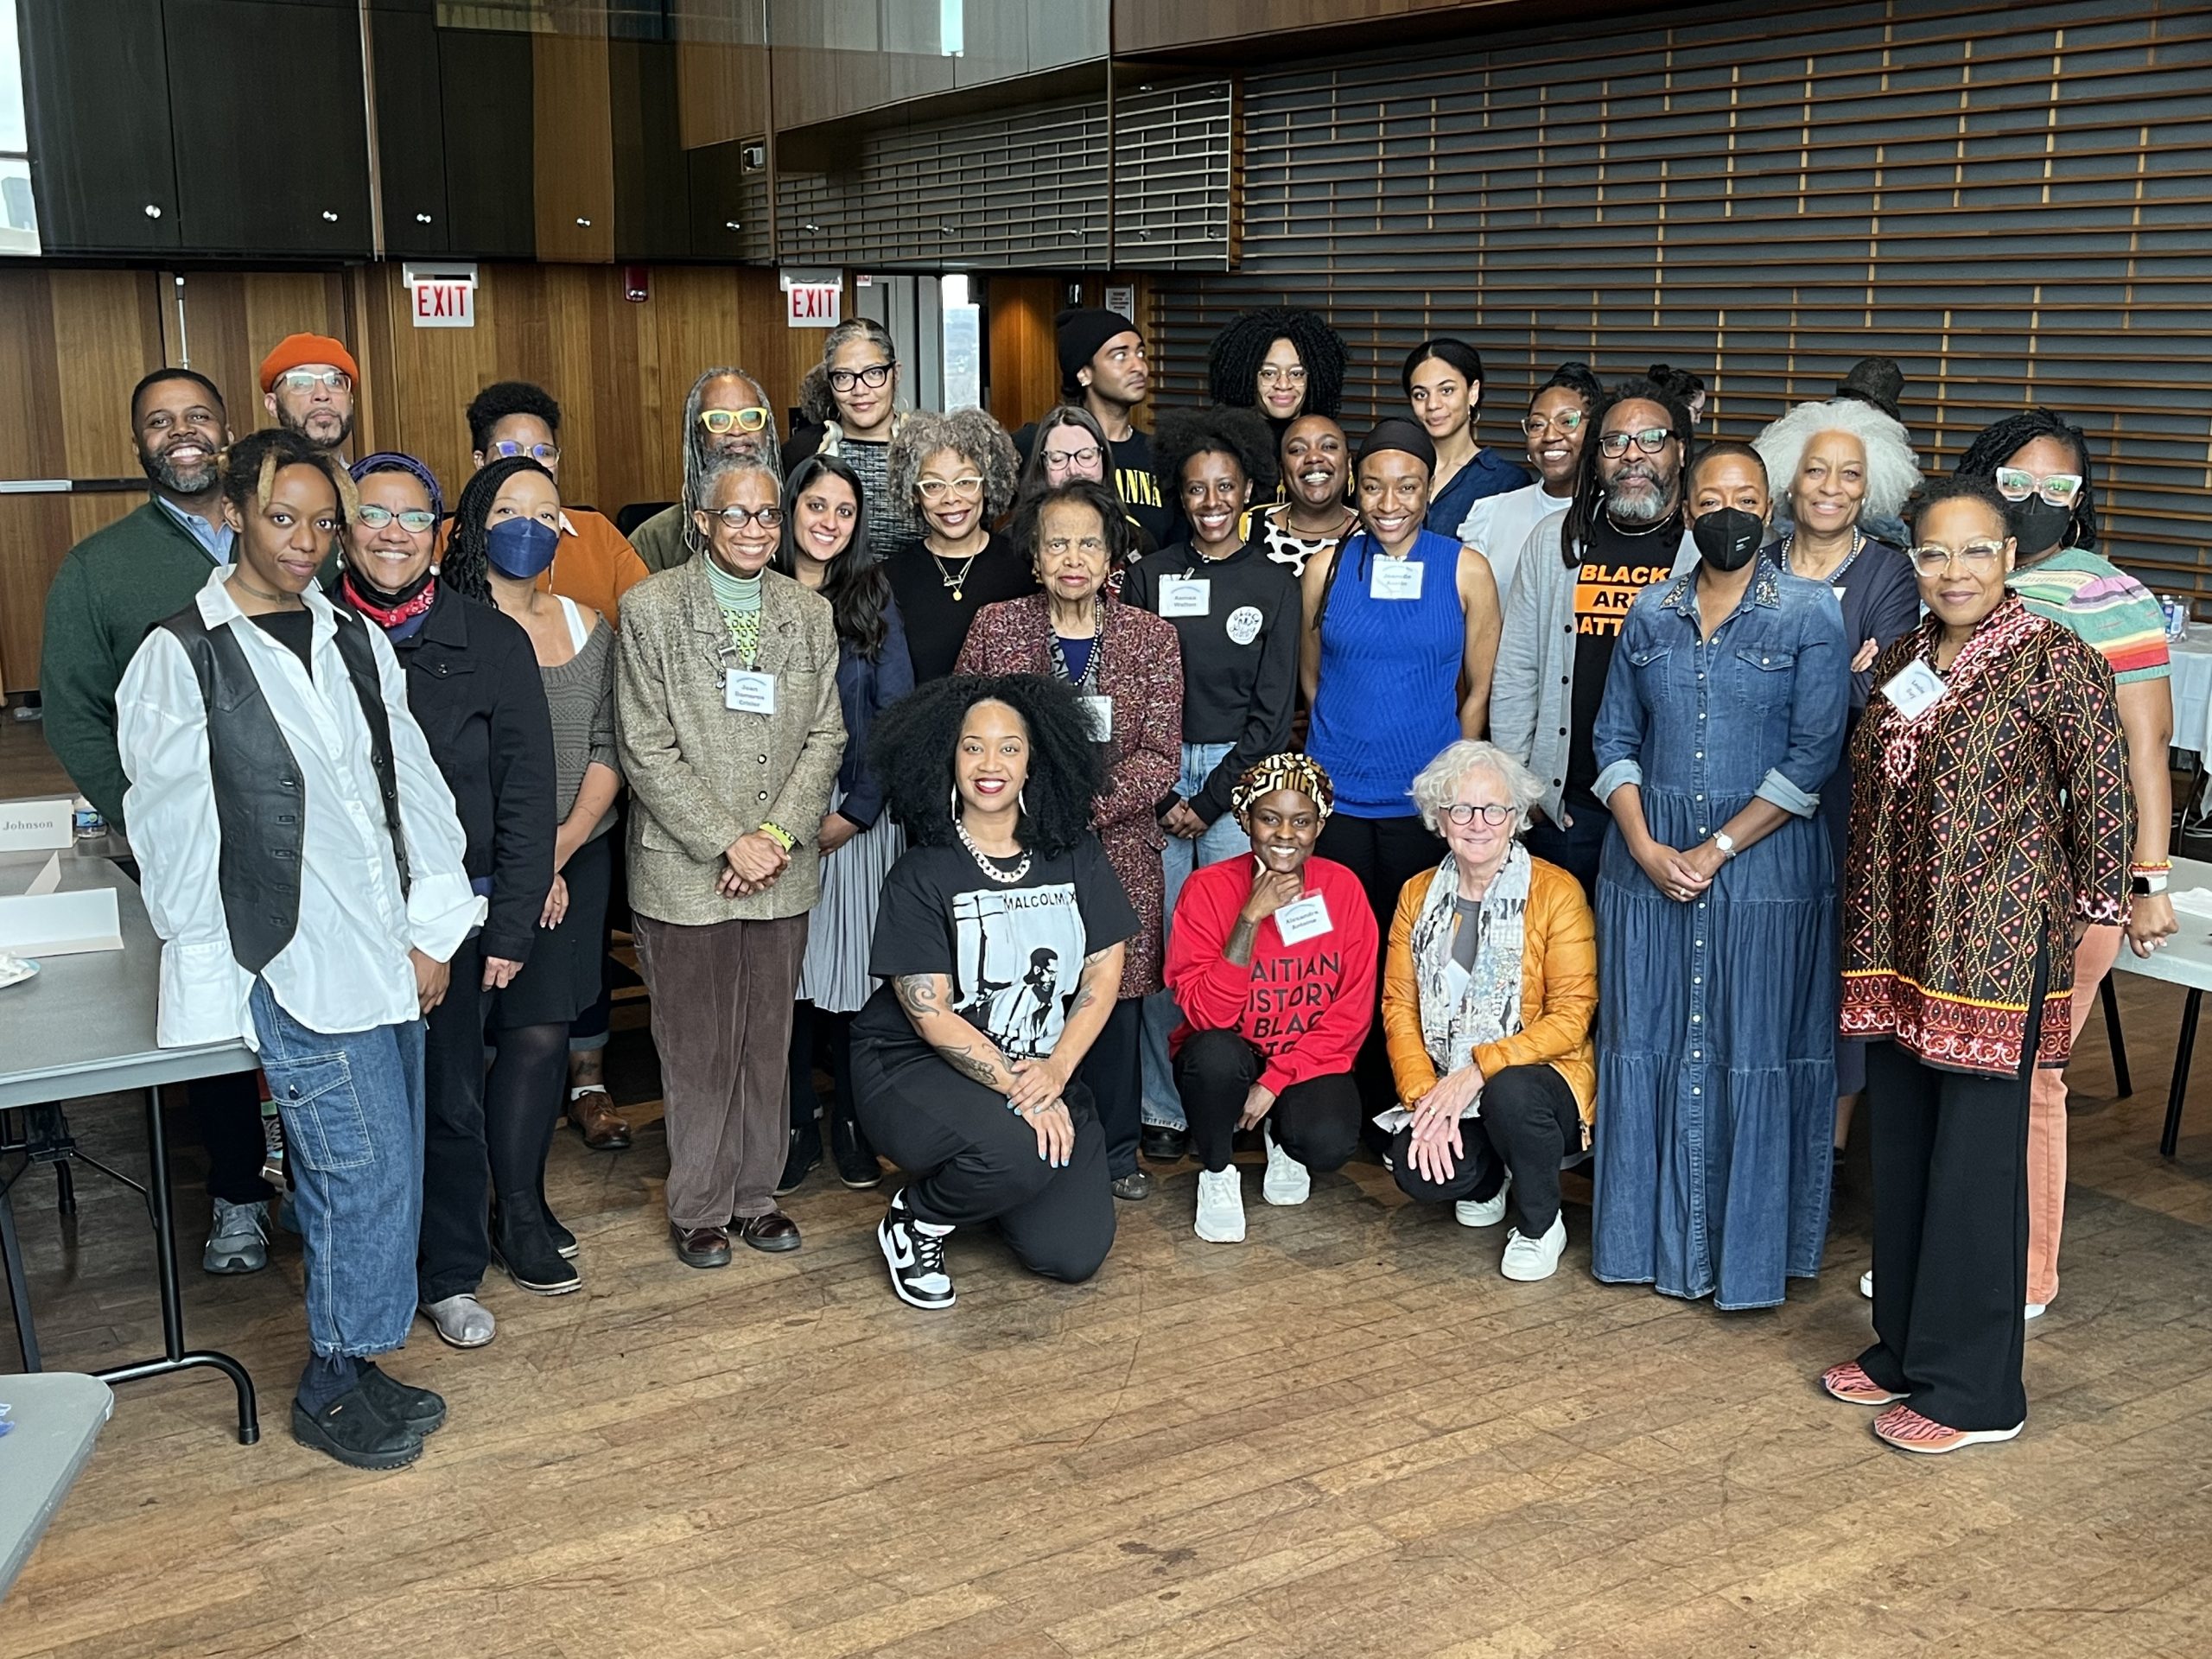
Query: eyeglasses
point(718, 421)
point(1087, 456)
point(1979, 557)
point(1271, 373)
point(1651, 440)
point(966, 483)
point(2060, 489)
point(507, 449)
point(1568, 420)
point(738, 517)
point(309, 379)
point(1463, 815)
point(413, 520)
point(845, 379)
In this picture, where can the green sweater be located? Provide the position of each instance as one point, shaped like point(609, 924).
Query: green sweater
point(114, 585)
point(659, 540)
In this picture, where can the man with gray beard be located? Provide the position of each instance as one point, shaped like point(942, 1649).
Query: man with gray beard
point(1579, 572)
point(727, 413)
point(113, 586)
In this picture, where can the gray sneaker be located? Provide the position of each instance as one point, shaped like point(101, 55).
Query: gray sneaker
point(239, 1240)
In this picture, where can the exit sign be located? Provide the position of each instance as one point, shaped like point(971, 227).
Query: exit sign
point(814, 305)
point(441, 296)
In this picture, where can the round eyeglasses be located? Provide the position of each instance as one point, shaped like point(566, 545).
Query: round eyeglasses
point(1463, 815)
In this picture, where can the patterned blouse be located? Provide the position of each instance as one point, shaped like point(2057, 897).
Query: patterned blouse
point(1980, 832)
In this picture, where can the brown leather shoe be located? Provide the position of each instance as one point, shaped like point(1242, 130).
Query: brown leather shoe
point(592, 1111)
point(701, 1246)
point(773, 1231)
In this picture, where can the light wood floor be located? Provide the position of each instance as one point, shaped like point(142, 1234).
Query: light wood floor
point(1347, 1437)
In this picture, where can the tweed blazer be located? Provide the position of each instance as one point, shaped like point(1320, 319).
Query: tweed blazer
point(701, 774)
point(1142, 673)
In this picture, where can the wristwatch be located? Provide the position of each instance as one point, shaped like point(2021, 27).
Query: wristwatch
point(1726, 843)
point(2144, 885)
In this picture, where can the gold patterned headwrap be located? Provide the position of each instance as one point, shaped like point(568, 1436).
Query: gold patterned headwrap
point(1287, 771)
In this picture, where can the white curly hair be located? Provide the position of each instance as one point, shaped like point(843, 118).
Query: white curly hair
point(1892, 468)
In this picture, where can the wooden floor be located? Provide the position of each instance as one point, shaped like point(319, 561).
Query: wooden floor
point(1347, 1437)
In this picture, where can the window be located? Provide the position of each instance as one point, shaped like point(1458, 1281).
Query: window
point(18, 210)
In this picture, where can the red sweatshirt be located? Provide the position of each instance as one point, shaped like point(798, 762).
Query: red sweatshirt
point(1306, 1007)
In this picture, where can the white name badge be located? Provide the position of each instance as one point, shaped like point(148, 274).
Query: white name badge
point(1185, 596)
point(1394, 578)
point(1916, 690)
point(749, 693)
point(1303, 918)
point(1840, 591)
point(1099, 711)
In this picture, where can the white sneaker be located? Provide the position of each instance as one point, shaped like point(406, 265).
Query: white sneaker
point(1285, 1181)
point(1485, 1212)
point(1866, 1284)
point(1529, 1259)
point(1221, 1206)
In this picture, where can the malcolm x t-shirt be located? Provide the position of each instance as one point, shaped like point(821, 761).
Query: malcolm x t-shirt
point(1616, 568)
point(1013, 951)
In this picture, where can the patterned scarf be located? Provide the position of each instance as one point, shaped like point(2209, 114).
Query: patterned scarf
point(1463, 1009)
point(393, 613)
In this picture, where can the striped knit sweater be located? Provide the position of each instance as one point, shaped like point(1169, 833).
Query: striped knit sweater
point(2108, 608)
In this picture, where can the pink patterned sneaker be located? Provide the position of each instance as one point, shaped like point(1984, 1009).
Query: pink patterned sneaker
point(1850, 1383)
point(1907, 1430)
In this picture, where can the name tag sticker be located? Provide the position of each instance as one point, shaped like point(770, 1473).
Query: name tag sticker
point(1916, 690)
point(1185, 596)
point(1840, 591)
point(1306, 917)
point(1099, 711)
point(1394, 578)
point(749, 693)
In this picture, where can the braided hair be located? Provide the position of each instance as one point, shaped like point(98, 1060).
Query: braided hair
point(466, 566)
point(2001, 440)
point(1233, 360)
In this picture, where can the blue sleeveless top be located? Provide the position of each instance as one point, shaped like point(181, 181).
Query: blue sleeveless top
point(1388, 700)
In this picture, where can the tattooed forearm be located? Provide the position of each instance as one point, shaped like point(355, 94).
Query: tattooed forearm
point(1241, 941)
point(986, 1069)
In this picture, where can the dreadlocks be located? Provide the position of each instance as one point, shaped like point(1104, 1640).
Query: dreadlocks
point(2001, 440)
point(1233, 360)
point(1589, 501)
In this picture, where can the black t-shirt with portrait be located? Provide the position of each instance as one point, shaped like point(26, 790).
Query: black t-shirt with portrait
point(1616, 568)
point(1012, 950)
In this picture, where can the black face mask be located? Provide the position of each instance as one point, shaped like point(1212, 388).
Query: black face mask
point(1728, 537)
point(2036, 526)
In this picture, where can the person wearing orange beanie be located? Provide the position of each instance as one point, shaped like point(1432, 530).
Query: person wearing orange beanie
point(306, 386)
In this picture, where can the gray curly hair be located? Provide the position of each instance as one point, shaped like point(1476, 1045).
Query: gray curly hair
point(1892, 468)
point(969, 433)
point(1437, 784)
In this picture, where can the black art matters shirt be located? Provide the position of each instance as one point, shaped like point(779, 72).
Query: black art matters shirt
point(1013, 951)
point(1616, 568)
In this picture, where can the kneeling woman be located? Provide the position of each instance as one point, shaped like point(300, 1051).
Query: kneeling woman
point(1487, 1003)
point(1273, 961)
point(1001, 932)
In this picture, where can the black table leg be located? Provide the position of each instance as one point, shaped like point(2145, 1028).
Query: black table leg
point(2110, 998)
point(19, 1293)
point(2179, 1093)
point(175, 1357)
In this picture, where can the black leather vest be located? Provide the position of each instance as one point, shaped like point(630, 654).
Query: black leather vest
point(260, 805)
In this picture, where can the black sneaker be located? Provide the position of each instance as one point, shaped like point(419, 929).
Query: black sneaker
point(415, 1408)
point(805, 1153)
point(857, 1166)
point(916, 1258)
point(1162, 1143)
point(531, 1260)
point(352, 1429)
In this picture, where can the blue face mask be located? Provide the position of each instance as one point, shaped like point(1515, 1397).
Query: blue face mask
point(522, 548)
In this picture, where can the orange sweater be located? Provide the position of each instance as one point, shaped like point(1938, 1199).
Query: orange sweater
point(1559, 992)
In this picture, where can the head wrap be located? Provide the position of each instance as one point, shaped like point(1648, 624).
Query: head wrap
point(390, 461)
point(1402, 435)
point(1288, 771)
point(295, 351)
point(1081, 331)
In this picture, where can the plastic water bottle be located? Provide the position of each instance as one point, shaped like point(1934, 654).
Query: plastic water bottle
point(86, 819)
point(2175, 611)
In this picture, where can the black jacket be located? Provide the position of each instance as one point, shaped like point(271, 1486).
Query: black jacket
point(475, 688)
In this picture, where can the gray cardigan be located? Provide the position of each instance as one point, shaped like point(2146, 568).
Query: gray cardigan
point(702, 775)
point(1532, 689)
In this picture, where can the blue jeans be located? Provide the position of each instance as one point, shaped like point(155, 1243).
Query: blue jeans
point(353, 1111)
point(1224, 838)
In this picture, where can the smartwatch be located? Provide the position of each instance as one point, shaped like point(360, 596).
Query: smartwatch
point(2143, 886)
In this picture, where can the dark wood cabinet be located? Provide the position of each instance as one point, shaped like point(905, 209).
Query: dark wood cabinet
point(485, 81)
point(272, 138)
point(653, 207)
point(97, 97)
point(410, 128)
point(729, 202)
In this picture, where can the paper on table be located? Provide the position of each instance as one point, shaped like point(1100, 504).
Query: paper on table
point(46, 880)
point(2193, 901)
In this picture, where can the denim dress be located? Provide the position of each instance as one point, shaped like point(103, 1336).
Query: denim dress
point(1717, 1017)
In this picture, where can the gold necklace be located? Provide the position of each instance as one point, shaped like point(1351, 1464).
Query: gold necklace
point(956, 580)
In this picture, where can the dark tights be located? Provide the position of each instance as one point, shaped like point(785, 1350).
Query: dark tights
point(522, 1102)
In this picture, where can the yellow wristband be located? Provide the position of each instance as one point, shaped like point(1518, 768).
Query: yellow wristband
point(781, 836)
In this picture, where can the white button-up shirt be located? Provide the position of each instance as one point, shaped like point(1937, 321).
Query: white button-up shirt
point(346, 967)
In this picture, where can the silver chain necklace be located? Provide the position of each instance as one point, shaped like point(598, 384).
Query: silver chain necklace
point(983, 860)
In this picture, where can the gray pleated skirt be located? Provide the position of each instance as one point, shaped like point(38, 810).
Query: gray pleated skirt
point(834, 976)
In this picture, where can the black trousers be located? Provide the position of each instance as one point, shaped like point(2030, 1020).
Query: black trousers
point(811, 1027)
point(456, 1243)
point(1316, 1122)
point(1577, 849)
point(972, 1160)
point(1950, 1152)
point(1385, 854)
point(1528, 1123)
point(227, 1113)
point(1112, 1072)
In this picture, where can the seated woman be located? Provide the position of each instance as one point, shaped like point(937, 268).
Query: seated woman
point(1272, 960)
point(302, 864)
point(1001, 932)
point(1488, 999)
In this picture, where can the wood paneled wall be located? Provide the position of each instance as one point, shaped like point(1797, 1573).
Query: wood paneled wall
point(73, 343)
point(1025, 360)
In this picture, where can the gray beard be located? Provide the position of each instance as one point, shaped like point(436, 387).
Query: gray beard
point(1625, 509)
point(176, 483)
